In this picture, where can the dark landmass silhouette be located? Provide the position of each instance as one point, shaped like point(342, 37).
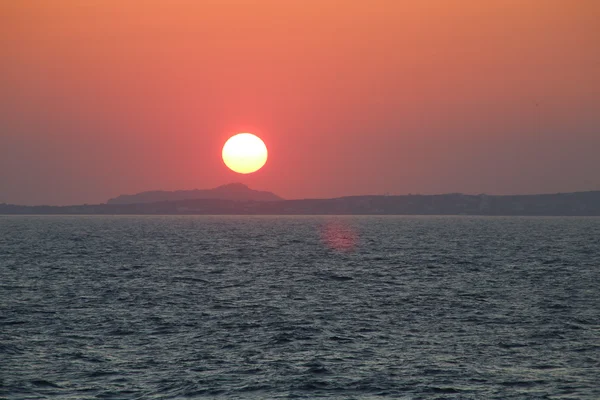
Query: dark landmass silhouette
point(232, 191)
point(561, 204)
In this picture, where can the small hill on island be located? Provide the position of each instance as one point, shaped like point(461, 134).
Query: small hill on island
point(232, 191)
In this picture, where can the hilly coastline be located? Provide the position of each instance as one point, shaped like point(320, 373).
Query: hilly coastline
point(237, 199)
point(232, 191)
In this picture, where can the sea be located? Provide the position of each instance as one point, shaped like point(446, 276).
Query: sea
point(299, 307)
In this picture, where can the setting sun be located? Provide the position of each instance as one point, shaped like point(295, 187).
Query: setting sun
point(244, 153)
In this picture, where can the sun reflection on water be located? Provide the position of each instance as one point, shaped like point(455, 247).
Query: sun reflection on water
point(339, 236)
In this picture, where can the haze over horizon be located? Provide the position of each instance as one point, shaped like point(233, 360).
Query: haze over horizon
point(100, 99)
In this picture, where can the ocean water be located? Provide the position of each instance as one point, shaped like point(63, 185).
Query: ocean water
point(185, 307)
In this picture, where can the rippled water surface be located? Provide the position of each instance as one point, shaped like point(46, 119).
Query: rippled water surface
point(299, 307)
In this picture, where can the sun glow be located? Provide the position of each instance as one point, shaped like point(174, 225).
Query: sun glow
point(244, 153)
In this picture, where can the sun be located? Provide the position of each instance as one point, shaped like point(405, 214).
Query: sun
point(244, 153)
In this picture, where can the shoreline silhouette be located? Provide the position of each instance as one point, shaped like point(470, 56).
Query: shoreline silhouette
point(238, 199)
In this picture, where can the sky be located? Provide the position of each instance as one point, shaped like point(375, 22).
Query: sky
point(106, 97)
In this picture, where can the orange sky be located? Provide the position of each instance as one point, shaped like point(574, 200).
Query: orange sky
point(100, 97)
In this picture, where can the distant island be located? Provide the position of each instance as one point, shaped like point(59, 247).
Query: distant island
point(232, 191)
point(238, 199)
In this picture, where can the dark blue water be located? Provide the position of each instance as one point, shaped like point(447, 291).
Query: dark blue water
point(299, 307)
